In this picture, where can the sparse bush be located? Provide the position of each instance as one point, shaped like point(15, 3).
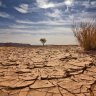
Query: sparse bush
point(85, 32)
point(43, 41)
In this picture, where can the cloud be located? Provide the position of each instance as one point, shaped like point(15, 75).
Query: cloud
point(89, 15)
point(49, 31)
point(46, 23)
point(4, 15)
point(56, 13)
point(93, 3)
point(24, 21)
point(44, 4)
point(86, 4)
point(0, 3)
point(15, 26)
point(23, 8)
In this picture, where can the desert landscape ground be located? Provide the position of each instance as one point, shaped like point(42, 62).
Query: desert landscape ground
point(47, 71)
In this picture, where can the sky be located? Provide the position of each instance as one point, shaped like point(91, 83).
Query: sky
point(26, 21)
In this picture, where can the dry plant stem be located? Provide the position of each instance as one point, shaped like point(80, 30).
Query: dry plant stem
point(85, 32)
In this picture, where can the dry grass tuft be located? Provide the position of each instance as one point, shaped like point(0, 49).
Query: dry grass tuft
point(85, 32)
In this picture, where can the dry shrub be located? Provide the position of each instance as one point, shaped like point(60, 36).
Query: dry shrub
point(85, 32)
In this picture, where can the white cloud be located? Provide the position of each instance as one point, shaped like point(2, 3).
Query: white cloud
point(93, 3)
point(88, 15)
point(56, 13)
point(16, 26)
point(84, 17)
point(68, 2)
point(4, 15)
point(47, 22)
point(38, 31)
point(86, 4)
point(23, 8)
point(45, 4)
point(24, 21)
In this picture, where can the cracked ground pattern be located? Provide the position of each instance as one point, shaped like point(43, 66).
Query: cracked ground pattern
point(47, 71)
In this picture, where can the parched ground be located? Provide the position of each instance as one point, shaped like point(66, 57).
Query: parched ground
point(47, 71)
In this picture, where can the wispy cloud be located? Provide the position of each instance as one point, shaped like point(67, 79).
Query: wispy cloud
point(54, 30)
point(56, 13)
point(24, 22)
point(93, 3)
point(4, 15)
point(49, 22)
point(0, 3)
point(23, 8)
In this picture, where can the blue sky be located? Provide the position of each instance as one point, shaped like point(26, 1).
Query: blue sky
point(26, 21)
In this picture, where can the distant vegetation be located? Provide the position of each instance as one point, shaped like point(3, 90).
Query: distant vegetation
point(43, 41)
point(85, 32)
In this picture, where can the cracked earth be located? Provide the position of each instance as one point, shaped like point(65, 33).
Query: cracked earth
point(47, 71)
